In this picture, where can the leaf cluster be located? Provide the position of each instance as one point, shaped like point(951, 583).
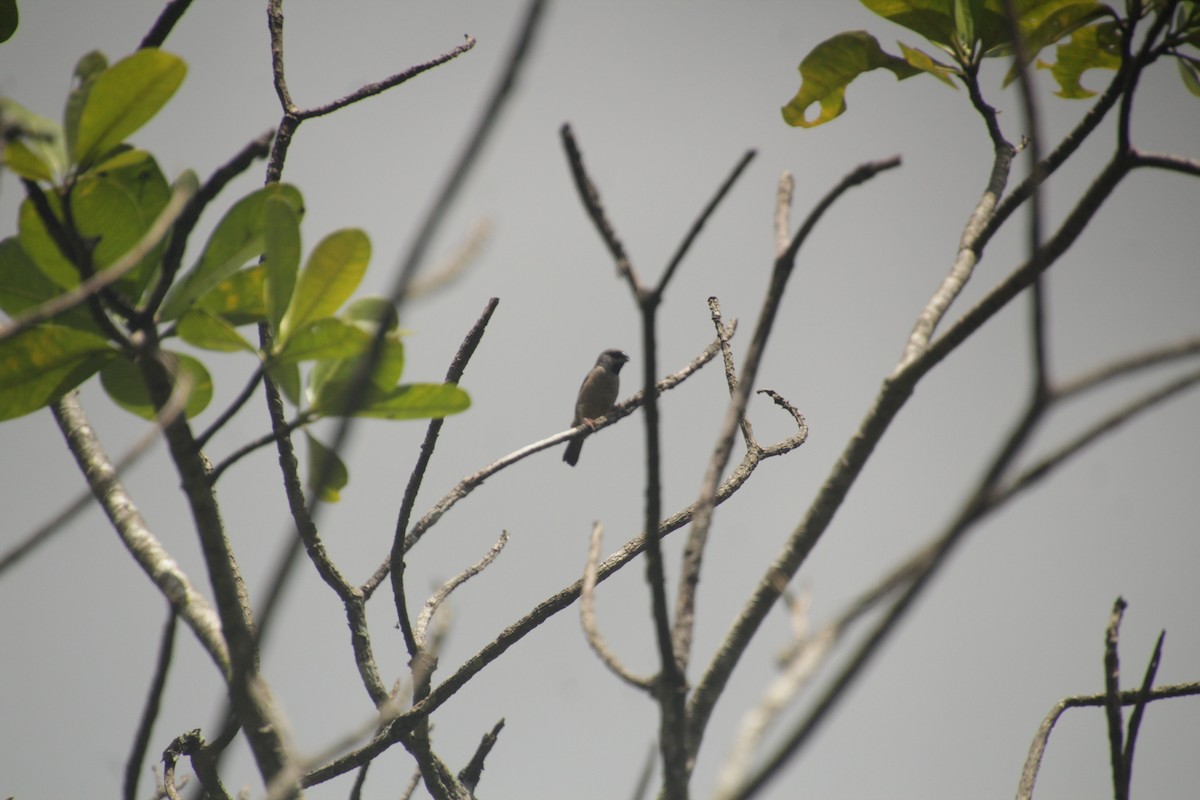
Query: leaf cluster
point(1085, 35)
point(98, 230)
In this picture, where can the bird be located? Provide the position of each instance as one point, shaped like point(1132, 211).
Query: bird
point(596, 397)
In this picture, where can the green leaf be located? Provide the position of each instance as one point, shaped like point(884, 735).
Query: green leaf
point(331, 275)
point(322, 339)
point(122, 99)
point(87, 70)
point(323, 461)
point(281, 231)
point(1093, 47)
point(932, 19)
point(1048, 25)
point(370, 310)
point(239, 298)
point(287, 378)
point(120, 158)
point(42, 363)
point(123, 382)
point(206, 330)
point(1190, 74)
point(26, 163)
point(329, 381)
point(926, 63)
point(23, 286)
point(40, 247)
point(961, 28)
point(418, 401)
point(237, 239)
point(114, 209)
point(965, 12)
point(8, 19)
point(38, 142)
point(829, 69)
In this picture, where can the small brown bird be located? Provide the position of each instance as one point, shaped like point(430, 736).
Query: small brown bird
point(596, 396)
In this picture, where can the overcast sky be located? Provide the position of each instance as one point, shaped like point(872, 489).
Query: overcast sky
point(663, 98)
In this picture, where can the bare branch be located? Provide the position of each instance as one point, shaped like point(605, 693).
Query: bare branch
point(783, 211)
point(731, 381)
point(1037, 315)
point(131, 456)
point(453, 375)
point(800, 666)
point(470, 774)
point(1103, 427)
point(1139, 708)
point(172, 12)
point(136, 535)
point(642, 787)
point(542, 612)
point(621, 410)
point(141, 739)
point(1119, 368)
point(451, 269)
point(591, 203)
point(283, 785)
point(694, 549)
point(1167, 161)
point(379, 87)
point(435, 601)
point(1112, 705)
point(961, 270)
point(1037, 749)
point(587, 616)
point(698, 225)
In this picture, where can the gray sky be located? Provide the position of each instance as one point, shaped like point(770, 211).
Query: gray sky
point(664, 98)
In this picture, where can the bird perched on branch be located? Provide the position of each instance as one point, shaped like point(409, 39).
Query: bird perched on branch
point(596, 397)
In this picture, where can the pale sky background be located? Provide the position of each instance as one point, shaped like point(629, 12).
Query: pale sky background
point(664, 98)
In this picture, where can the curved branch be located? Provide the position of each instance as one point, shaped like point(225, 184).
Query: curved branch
point(587, 617)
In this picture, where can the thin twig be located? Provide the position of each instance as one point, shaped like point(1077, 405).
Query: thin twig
point(969, 251)
point(436, 214)
point(1121, 367)
point(172, 12)
point(288, 427)
point(642, 787)
point(1037, 749)
point(698, 225)
point(587, 617)
point(593, 206)
point(228, 414)
point(446, 273)
point(173, 255)
point(1112, 705)
point(141, 739)
point(453, 375)
point(1037, 310)
point(1167, 161)
point(444, 591)
point(783, 211)
point(1139, 708)
point(694, 549)
point(468, 484)
point(542, 612)
point(178, 201)
point(470, 774)
point(379, 87)
point(731, 381)
point(1102, 427)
